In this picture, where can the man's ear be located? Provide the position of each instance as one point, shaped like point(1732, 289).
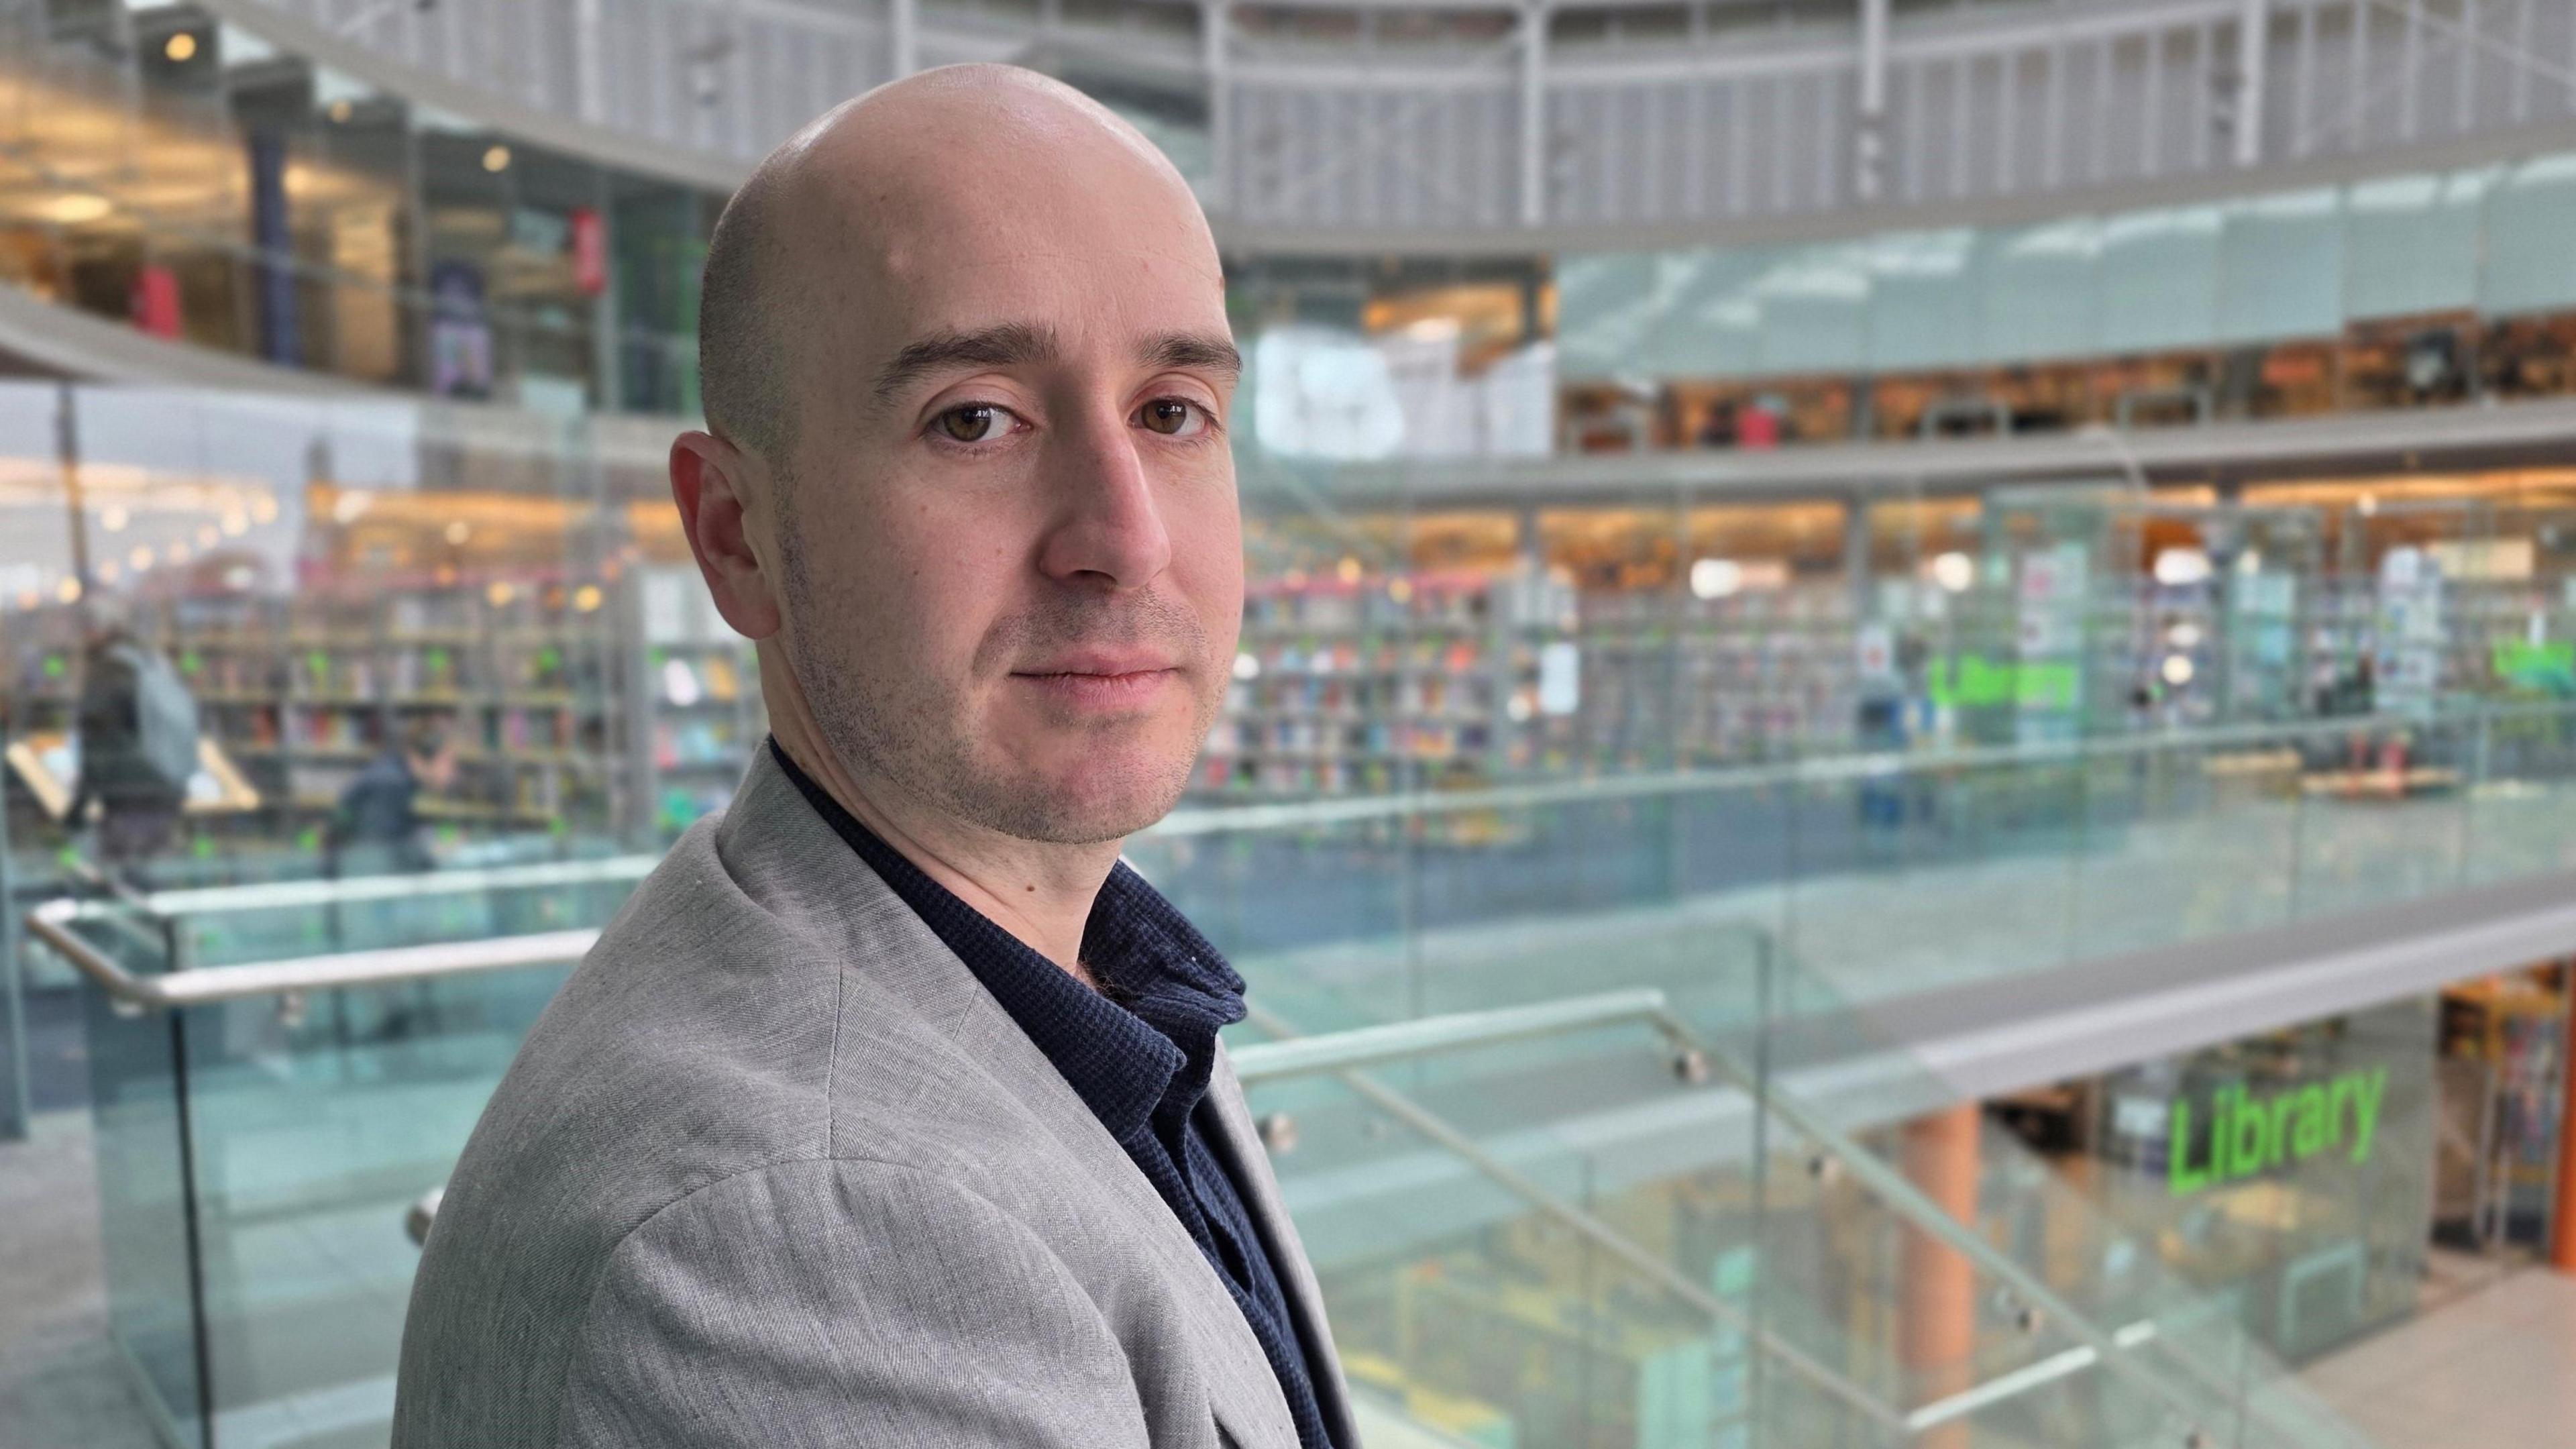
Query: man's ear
point(715, 484)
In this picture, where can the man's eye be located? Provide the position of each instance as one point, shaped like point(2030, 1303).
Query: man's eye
point(1173, 417)
point(974, 423)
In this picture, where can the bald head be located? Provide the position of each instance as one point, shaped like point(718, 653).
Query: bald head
point(884, 187)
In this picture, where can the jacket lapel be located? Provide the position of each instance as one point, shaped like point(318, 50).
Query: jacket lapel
point(1240, 1141)
point(809, 871)
point(1244, 1393)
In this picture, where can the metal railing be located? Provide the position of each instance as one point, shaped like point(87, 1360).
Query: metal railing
point(1205, 820)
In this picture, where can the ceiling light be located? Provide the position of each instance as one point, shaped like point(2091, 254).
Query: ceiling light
point(1715, 578)
point(2181, 567)
point(182, 47)
point(497, 159)
point(2177, 670)
point(1954, 571)
point(73, 208)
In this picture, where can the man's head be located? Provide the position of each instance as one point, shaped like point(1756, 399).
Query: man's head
point(429, 749)
point(967, 372)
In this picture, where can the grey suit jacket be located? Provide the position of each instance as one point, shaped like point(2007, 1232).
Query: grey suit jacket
point(775, 1169)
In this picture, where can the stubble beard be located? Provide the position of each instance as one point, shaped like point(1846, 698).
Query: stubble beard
point(909, 730)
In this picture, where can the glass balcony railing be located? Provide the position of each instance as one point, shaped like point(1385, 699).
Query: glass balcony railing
point(1571, 1088)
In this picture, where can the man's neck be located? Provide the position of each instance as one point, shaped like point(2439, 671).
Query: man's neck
point(1040, 893)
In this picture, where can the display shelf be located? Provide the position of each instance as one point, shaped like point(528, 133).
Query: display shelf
point(1356, 684)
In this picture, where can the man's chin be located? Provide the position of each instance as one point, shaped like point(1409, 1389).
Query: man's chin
point(1087, 802)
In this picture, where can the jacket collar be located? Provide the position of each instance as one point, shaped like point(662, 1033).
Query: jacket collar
point(785, 854)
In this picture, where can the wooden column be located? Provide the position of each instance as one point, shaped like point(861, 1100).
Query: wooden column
point(1937, 1288)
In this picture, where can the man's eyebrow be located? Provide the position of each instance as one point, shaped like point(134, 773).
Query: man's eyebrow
point(1009, 344)
point(1192, 351)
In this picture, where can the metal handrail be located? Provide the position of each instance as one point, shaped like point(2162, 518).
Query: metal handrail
point(1572, 1215)
point(1289, 1055)
point(1343, 1052)
point(1307, 814)
point(204, 986)
point(1271, 1061)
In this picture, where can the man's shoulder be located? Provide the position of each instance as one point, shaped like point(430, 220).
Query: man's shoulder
point(738, 1023)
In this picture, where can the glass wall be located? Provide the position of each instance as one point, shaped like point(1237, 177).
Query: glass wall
point(187, 178)
point(2400, 291)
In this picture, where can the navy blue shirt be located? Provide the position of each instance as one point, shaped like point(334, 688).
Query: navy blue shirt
point(1138, 1052)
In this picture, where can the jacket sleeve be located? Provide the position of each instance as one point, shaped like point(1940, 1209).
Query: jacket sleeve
point(843, 1303)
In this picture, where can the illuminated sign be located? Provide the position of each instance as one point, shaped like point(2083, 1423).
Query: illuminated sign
point(2250, 1135)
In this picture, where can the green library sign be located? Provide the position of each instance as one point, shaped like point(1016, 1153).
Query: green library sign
point(2250, 1134)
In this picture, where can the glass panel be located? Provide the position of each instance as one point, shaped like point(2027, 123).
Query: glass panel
point(320, 1119)
point(2281, 268)
point(147, 1211)
point(2412, 245)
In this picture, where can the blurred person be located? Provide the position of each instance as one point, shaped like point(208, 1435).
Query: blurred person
point(137, 725)
point(378, 827)
point(891, 1111)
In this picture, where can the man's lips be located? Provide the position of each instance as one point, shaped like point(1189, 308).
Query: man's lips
point(1106, 663)
point(1099, 681)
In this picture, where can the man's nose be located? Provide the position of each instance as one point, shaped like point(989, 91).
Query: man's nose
point(1108, 524)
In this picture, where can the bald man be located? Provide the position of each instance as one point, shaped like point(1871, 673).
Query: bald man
point(891, 1110)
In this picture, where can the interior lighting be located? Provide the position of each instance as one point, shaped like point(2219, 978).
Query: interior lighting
point(2250, 562)
point(1349, 571)
point(208, 535)
point(2181, 567)
point(586, 598)
point(352, 505)
point(497, 160)
point(1715, 578)
point(679, 685)
point(69, 590)
point(2176, 670)
point(2368, 503)
point(73, 208)
point(263, 507)
point(113, 517)
point(341, 110)
point(141, 558)
point(1400, 590)
point(1954, 571)
point(181, 48)
point(235, 523)
point(2185, 635)
point(500, 594)
point(458, 532)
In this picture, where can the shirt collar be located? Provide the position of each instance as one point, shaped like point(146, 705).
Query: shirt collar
point(1144, 1062)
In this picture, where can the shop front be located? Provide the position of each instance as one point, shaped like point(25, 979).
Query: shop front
point(2333, 1178)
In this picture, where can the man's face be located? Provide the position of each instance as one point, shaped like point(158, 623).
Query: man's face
point(1011, 553)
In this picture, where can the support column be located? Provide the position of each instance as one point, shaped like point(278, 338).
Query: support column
point(904, 36)
point(2562, 1203)
point(1936, 1323)
point(1869, 138)
point(1534, 115)
point(2253, 42)
point(590, 89)
point(1216, 21)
